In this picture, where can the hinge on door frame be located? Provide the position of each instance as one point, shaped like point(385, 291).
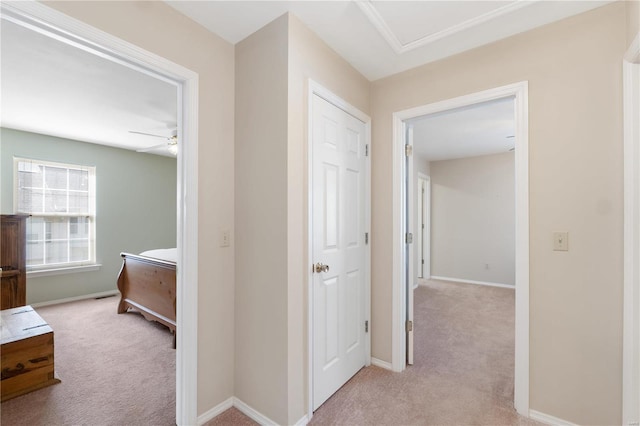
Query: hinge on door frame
point(408, 150)
point(408, 238)
point(408, 326)
point(366, 238)
point(366, 150)
point(366, 326)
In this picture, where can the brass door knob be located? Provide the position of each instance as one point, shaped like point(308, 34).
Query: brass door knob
point(320, 267)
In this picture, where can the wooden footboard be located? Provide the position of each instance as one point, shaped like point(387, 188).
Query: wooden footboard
point(148, 286)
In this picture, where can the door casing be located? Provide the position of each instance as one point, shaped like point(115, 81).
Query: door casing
point(400, 285)
point(426, 221)
point(315, 88)
point(49, 22)
point(631, 311)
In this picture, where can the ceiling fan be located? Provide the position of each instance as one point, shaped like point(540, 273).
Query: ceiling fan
point(171, 145)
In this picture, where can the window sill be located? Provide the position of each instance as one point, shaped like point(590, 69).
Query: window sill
point(63, 271)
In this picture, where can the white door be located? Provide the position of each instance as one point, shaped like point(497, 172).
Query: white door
point(409, 245)
point(420, 228)
point(339, 248)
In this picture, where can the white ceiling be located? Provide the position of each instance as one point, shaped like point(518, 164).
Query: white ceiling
point(380, 38)
point(52, 88)
point(480, 129)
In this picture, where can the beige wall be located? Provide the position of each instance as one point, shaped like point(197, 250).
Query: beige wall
point(273, 66)
point(156, 27)
point(261, 221)
point(575, 154)
point(473, 218)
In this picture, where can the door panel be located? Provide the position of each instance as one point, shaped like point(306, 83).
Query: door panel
point(338, 232)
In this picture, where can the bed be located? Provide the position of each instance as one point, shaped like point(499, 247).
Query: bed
point(147, 284)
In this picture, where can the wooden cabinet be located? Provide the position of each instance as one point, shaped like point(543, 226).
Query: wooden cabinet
point(13, 256)
point(27, 353)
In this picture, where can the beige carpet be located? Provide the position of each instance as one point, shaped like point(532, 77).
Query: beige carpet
point(120, 369)
point(463, 370)
point(115, 370)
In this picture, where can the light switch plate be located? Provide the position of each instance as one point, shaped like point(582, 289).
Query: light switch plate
point(225, 238)
point(561, 241)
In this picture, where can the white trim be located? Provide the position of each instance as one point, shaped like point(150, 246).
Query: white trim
point(254, 415)
point(63, 271)
point(547, 419)
point(315, 88)
point(382, 364)
point(520, 92)
point(304, 420)
point(215, 411)
point(245, 409)
point(633, 53)
point(370, 11)
point(76, 298)
point(43, 19)
point(631, 263)
point(463, 281)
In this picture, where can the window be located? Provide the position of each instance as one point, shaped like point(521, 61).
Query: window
point(61, 201)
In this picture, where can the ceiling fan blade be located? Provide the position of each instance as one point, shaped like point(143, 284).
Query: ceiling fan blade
point(149, 134)
point(151, 148)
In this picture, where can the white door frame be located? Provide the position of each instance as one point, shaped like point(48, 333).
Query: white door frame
point(319, 90)
point(631, 318)
point(520, 92)
point(420, 228)
point(39, 17)
point(426, 213)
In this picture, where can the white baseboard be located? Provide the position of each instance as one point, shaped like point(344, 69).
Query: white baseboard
point(382, 364)
point(253, 414)
point(76, 298)
point(460, 280)
point(246, 410)
point(215, 411)
point(550, 420)
point(302, 422)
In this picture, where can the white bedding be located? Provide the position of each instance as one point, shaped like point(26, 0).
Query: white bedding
point(170, 254)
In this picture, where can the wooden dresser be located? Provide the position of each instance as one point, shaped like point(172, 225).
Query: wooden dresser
point(13, 256)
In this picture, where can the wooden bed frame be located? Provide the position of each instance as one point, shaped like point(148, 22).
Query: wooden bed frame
point(148, 285)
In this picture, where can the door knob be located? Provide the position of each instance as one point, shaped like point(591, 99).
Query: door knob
point(320, 267)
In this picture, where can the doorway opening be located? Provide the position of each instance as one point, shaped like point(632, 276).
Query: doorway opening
point(51, 23)
point(403, 211)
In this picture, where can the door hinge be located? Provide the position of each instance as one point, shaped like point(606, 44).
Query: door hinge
point(408, 326)
point(366, 326)
point(408, 238)
point(366, 238)
point(423, 261)
point(366, 150)
point(408, 150)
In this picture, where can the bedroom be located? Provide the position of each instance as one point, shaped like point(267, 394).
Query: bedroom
point(59, 117)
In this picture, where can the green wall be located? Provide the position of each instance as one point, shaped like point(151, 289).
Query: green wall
point(135, 205)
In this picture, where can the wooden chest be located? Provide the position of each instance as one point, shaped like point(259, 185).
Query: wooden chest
point(26, 352)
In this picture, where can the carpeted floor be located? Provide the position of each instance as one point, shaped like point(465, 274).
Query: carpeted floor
point(115, 370)
point(120, 369)
point(462, 372)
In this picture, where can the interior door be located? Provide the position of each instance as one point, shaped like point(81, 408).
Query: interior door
point(338, 247)
point(410, 234)
point(420, 228)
